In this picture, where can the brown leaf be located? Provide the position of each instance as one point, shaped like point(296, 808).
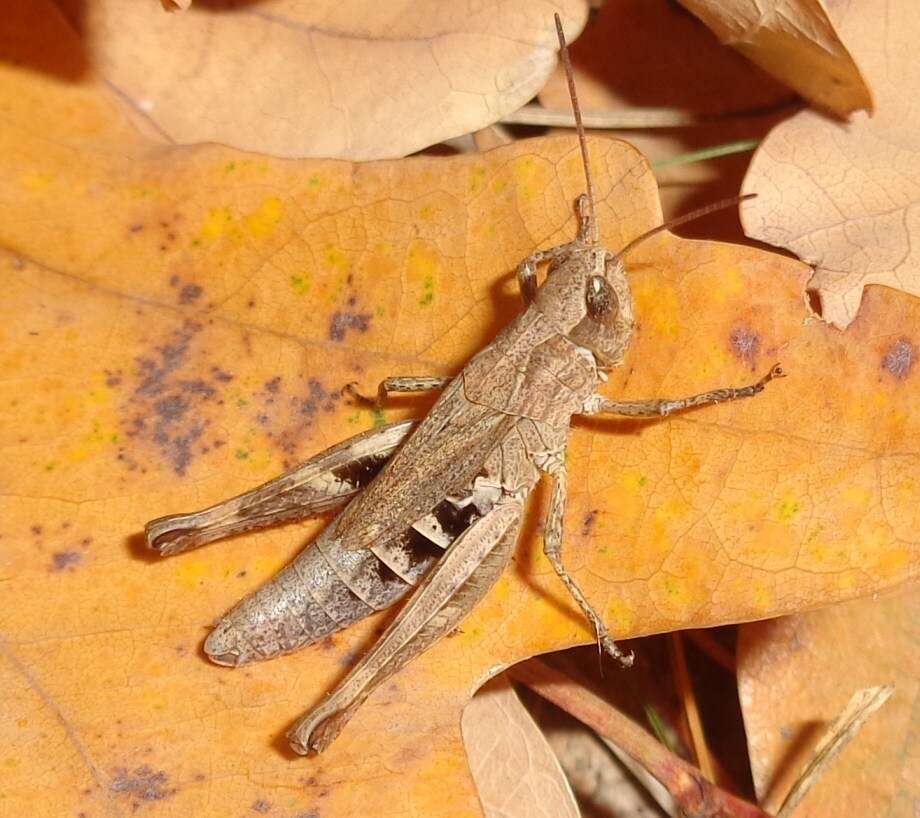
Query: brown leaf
point(692, 74)
point(176, 326)
point(797, 42)
point(795, 676)
point(516, 773)
point(843, 197)
point(357, 80)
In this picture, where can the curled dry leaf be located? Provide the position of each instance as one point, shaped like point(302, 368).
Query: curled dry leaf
point(516, 773)
point(795, 677)
point(177, 324)
point(355, 79)
point(844, 197)
point(795, 41)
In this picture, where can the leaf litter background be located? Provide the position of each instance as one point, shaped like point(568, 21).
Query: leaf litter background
point(178, 323)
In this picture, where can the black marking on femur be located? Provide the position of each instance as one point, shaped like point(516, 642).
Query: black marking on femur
point(361, 471)
point(599, 297)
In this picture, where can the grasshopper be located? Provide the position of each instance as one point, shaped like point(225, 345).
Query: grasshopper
point(435, 507)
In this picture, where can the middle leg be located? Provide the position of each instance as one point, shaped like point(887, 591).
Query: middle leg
point(552, 547)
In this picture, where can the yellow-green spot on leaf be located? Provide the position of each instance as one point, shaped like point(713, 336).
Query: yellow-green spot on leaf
point(379, 417)
point(230, 167)
point(426, 212)
point(353, 418)
point(242, 454)
point(263, 219)
point(532, 177)
point(379, 312)
point(336, 258)
point(300, 284)
point(787, 509)
point(422, 270)
point(477, 178)
point(672, 586)
point(218, 222)
point(51, 465)
point(427, 291)
point(315, 180)
point(241, 403)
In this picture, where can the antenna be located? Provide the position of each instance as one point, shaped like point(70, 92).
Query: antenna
point(687, 217)
point(567, 65)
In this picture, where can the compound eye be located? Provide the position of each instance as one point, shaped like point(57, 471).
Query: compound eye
point(600, 298)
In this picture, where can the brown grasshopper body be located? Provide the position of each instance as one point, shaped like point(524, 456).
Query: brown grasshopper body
point(437, 510)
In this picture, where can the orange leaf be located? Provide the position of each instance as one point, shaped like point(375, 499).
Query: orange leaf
point(176, 326)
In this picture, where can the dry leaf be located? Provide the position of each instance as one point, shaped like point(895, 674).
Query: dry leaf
point(843, 197)
point(795, 676)
point(176, 326)
point(638, 54)
point(516, 773)
point(691, 74)
point(353, 79)
point(797, 42)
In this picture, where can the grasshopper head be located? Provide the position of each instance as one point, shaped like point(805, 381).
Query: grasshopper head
point(607, 325)
point(586, 293)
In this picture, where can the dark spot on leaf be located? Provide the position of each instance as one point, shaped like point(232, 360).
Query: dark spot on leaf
point(136, 228)
point(142, 784)
point(112, 378)
point(164, 408)
point(745, 344)
point(36, 529)
point(900, 358)
point(286, 419)
point(172, 408)
point(174, 281)
point(342, 322)
point(260, 805)
point(220, 375)
point(587, 522)
point(190, 293)
point(65, 560)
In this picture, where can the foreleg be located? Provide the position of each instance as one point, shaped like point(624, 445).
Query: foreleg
point(598, 404)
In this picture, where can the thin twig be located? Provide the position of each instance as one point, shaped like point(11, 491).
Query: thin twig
point(635, 118)
point(629, 118)
point(695, 795)
point(691, 712)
